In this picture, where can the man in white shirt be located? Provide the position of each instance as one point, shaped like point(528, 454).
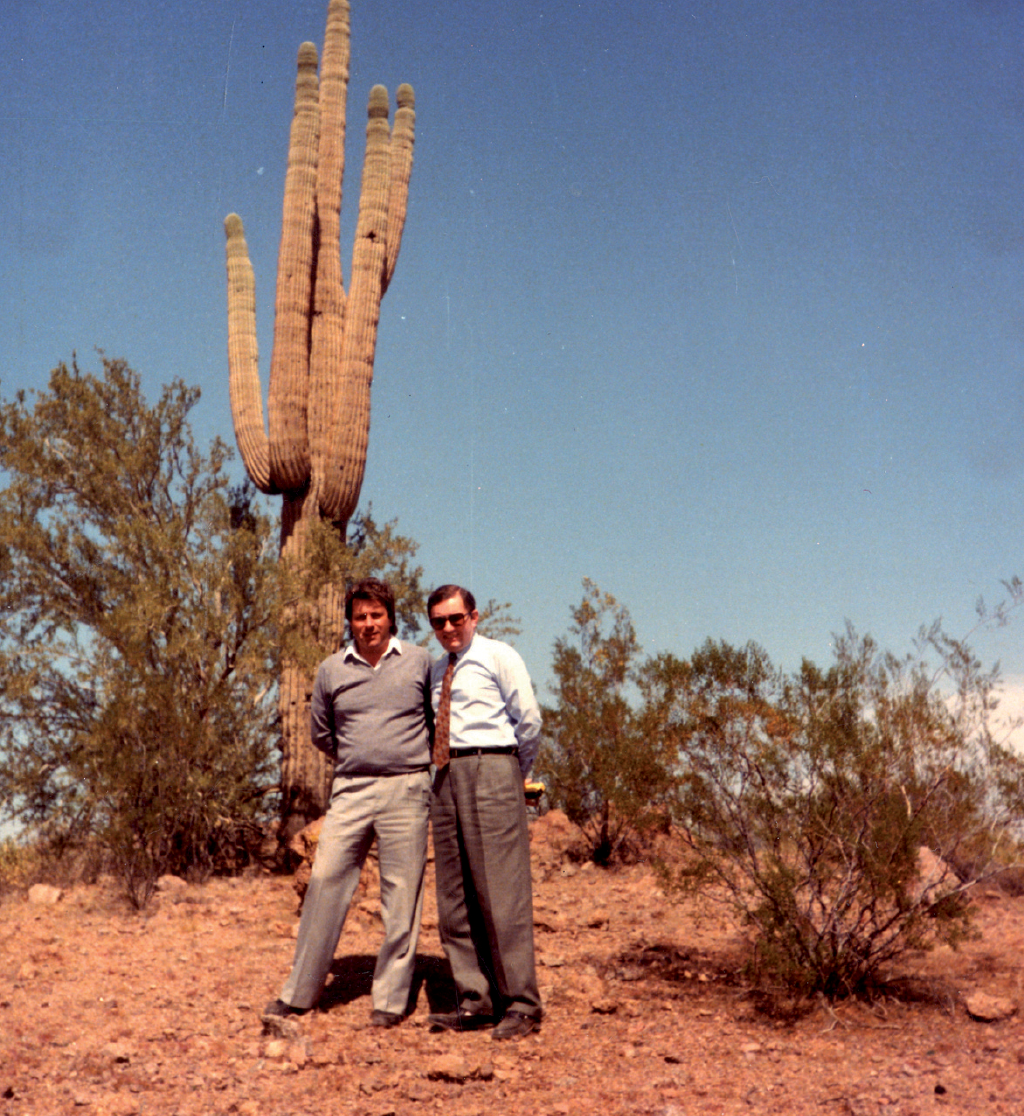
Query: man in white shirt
point(488, 731)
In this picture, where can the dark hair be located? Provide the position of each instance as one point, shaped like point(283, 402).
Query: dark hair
point(371, 589)
point(443, 592)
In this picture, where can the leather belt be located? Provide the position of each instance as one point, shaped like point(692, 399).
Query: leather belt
point(505, 750)
point(381, 774)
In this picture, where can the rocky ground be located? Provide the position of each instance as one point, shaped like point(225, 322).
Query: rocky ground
point(103, 1011)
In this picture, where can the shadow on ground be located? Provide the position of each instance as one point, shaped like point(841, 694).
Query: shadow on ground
point(352, 978)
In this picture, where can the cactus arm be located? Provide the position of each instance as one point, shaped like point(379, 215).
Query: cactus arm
point(344, 476)
point(329, 299)
point(289, 365)
point(402, 136)
point(333, 97)
point(243, 358)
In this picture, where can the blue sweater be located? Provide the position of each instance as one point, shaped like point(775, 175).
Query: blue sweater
point(374, 721)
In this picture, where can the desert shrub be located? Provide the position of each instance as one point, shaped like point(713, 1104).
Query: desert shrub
point(805, 802)
point(19, 865)
point(137, 602)
point(28, 859)
point(599, 765)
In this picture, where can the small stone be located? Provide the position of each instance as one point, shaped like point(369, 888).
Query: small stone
point(282, 1027)
point(605, 1007)
point(450, 1067)
point(44, 895)
point(172, 885)
point(118, 1052)
point(989, 1009)
point(277, 1048)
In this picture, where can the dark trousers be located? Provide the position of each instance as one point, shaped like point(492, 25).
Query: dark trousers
point(484, 893)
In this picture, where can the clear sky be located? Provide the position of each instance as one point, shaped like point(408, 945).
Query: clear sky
point(720, 304)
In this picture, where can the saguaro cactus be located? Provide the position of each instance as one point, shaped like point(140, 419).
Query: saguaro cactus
point(313, 452)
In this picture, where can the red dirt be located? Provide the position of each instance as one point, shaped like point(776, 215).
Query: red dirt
point(107, 1012)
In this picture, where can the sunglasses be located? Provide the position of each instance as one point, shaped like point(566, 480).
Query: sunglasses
point(457, 619)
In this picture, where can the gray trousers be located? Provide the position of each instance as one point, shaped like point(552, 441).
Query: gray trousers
point(394, 809)
point(484, 892)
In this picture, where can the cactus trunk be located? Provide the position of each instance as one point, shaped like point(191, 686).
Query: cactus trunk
point(313, 451)
point(305, 772)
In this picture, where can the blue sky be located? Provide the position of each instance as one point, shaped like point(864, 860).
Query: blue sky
point(718, 304)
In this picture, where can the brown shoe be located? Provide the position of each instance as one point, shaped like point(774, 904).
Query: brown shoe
point(516, 1024)
point(385, 1018)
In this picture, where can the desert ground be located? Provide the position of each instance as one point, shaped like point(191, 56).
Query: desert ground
point(110, 1012)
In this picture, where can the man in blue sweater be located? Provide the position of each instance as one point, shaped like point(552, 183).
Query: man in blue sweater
point(371, 714)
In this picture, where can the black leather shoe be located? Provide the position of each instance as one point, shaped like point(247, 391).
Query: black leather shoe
point(459, 1021)
point(278, 1009)
point(385, 1018)
point(515, 1025)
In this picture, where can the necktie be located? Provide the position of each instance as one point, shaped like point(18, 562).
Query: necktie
point(443, 720)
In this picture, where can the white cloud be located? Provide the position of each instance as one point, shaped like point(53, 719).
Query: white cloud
point(1006, 721)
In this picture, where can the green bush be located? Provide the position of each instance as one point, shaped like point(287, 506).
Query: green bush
point(829, 808)
point(599, 763)
point(137, 606)
point(843, 814)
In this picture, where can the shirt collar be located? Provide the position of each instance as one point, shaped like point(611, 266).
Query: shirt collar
point(394, 647)
point(459, 654)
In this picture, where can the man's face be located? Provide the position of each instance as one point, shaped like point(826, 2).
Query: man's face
point(452, 624)
point(371, 628)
